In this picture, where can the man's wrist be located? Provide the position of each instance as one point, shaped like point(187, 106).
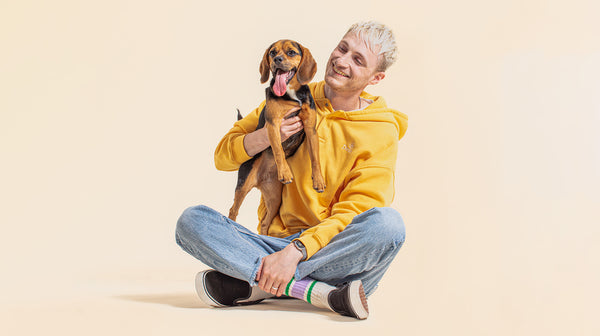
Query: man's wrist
point(292, 252)
point(301, 248)
point(257, 141)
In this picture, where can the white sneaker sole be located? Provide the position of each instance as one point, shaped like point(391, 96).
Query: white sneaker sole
point(202, 292)
point(358, 300)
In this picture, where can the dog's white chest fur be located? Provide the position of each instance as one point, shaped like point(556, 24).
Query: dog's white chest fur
point(292, 94)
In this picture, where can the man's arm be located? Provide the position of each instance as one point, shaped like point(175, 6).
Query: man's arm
point(258, 140)
point(369, 184)
point(243, 140)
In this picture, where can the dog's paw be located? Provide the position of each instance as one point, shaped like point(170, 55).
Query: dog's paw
point(286, 178)
point(318, 184)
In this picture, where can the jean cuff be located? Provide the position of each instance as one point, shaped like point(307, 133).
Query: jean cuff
point(252, 281)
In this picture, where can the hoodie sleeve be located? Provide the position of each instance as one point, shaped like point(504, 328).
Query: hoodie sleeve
point(370, 183)
point(230, 152)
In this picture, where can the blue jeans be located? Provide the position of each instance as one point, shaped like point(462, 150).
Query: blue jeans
point(362, 251)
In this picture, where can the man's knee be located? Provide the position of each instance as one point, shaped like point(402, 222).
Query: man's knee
point(191, 221)
point(384, 222)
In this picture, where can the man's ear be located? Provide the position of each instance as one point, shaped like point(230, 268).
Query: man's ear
point(377, 77)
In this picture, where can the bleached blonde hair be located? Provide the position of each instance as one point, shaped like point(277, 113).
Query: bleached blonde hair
point(377, 35)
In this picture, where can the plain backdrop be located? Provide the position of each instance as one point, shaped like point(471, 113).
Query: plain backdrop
point(110, 112)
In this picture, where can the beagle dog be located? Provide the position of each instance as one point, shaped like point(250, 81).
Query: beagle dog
point(292, 68)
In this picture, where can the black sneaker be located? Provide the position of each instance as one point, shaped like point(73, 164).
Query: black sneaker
point(349, 300)
point(220, 290)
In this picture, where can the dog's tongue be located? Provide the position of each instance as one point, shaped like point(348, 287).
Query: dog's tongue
point(280, 85)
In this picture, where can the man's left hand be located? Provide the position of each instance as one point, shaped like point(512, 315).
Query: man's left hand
point(277, 269)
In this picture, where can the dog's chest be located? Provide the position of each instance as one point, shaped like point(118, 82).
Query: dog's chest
point(292, 94)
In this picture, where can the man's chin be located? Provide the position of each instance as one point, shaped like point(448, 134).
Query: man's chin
point(334, 81)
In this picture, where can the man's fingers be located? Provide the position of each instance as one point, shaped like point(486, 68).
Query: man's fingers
point(277, 287)
point(292, 110)
point(259, 271)
point(290, 121)
point(269, 287)
point(293, 124)
point(276, 291)
point(281, 289)
point(261, 278)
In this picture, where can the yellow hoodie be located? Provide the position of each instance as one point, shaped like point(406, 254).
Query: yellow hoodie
point(358, 156)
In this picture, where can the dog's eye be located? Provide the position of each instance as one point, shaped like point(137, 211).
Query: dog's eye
point(291, 53)
point(273, 53)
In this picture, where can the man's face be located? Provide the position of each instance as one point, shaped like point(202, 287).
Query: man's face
point(352, 65)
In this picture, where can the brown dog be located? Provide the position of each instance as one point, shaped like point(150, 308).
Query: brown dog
point(292, 67)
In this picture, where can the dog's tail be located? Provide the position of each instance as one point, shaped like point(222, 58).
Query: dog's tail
point(239, 116)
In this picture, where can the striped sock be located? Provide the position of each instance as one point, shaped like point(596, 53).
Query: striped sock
point(310, 290)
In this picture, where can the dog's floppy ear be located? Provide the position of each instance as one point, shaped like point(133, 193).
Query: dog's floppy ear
point(307, 68)
point(265, 69)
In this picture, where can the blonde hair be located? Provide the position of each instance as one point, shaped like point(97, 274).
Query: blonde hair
point(377, 35)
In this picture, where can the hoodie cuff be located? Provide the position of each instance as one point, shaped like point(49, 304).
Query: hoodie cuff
point(239, 150)
point(312, 245)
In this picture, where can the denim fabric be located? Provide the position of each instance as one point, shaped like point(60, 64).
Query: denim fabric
point(364, 250)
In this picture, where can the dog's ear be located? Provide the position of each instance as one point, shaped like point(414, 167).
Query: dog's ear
point(307, 68)
point(265, 68)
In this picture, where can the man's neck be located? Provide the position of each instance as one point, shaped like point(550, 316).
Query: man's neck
point(344, 101)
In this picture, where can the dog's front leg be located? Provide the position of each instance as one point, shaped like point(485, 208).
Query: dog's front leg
point(284, 174)
point(309, 119)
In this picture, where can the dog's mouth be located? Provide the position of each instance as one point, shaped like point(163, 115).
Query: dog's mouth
point(282, 78)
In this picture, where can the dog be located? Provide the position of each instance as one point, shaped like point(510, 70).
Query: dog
point(292, 68)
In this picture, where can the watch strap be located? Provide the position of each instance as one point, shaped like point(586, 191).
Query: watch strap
point(298, 244)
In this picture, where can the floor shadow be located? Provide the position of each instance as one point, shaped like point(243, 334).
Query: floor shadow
point(191, 301)
point(179, 300)
point(295, 306)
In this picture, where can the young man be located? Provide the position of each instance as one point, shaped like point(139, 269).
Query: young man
point(332, 248)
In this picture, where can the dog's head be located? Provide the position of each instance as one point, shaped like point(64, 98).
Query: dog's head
point(291, 64)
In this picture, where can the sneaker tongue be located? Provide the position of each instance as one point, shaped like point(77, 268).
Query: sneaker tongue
point(280, 85)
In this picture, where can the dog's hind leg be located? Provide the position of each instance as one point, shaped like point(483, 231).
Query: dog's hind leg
point(270, 189)
point(272, 197)
point(247, 179)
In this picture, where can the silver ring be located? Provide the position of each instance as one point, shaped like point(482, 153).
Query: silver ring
point(275, 288)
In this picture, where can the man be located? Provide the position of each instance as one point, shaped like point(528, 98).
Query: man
point(329, 249)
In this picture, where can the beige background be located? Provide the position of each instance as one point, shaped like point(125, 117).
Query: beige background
point(110, 112)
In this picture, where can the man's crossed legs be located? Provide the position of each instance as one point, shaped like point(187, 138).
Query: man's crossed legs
point(357, 256)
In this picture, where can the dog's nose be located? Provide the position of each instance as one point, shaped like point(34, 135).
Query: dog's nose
point(278, 59)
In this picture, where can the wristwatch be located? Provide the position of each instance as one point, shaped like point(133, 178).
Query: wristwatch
point(298, 244)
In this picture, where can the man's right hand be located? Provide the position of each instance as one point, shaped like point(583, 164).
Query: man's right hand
point(257, 141)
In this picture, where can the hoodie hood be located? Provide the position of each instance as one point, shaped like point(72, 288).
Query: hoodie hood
point(376, 111)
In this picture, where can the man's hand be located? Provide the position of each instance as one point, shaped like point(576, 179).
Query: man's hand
point(290, 126)
point(277, 269)
point(258, 140)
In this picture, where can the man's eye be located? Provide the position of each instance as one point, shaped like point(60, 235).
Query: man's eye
point(358, 61)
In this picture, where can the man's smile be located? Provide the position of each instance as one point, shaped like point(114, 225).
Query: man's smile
point(339, 72)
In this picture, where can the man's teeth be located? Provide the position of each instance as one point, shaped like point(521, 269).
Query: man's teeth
point(340, 73)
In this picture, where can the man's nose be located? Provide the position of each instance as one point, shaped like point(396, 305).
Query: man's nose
point(342, 61)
